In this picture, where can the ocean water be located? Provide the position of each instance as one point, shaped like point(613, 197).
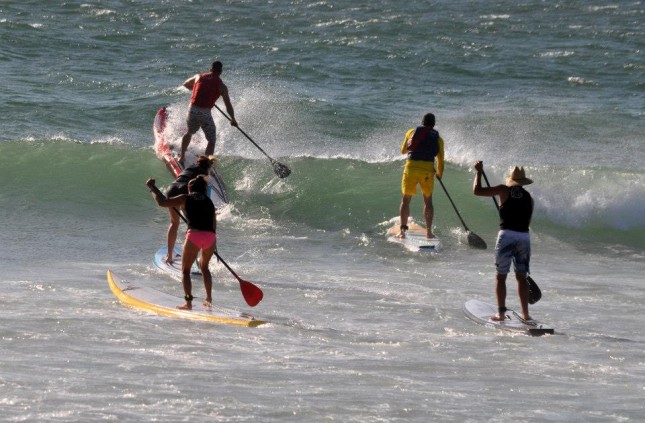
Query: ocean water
point(361, 330)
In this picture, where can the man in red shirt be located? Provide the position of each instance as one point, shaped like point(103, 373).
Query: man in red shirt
point(207, 88)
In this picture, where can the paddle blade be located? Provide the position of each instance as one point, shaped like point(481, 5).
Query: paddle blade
point(252, 294)
point(475, 241)
point(534, 290)
point(281, 170)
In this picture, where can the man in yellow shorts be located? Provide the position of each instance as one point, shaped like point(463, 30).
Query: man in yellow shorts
point(424, 147)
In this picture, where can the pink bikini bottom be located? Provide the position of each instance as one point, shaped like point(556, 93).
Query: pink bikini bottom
point(202, 239)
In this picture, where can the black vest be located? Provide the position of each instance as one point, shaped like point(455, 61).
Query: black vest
point(423, 144)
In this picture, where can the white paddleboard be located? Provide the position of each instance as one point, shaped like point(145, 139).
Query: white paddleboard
point(415, 239)
point(482, 312)
point(174, 268)
point(152, 300)
point(169, 152)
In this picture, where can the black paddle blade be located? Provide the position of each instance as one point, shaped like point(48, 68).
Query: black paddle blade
point(281, 170)
point(534, 290)
point(475, 241)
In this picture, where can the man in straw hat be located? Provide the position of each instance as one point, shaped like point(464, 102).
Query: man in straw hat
point(513, 242)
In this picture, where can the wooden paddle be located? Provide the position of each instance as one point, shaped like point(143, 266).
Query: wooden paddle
point(534, 290)
point(474, 240)
point(251, 293)
point(280, 169)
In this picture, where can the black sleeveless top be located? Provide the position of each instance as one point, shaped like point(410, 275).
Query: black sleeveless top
point(180, 185)
point(515, 214)
point(190, 173)
point(200, 212)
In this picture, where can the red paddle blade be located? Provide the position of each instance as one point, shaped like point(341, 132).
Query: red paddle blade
point(252, 294)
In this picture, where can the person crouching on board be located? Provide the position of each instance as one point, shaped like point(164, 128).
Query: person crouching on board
point(202, 224)
point(180, 186)
point(422, 145)
point(513, 241)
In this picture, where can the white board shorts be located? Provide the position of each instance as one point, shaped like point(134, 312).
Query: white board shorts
point(200, 117)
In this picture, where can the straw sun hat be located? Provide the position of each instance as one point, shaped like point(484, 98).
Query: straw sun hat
point(517, 177)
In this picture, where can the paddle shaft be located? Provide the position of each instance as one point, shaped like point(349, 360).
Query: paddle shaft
point(161, 194)
point(474, 240)
point(488, 184)
point(280, 169)
point(228, 267)
point(244, 133)
point(453, 204)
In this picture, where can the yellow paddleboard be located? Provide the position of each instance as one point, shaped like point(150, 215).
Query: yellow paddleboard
point(152, 300)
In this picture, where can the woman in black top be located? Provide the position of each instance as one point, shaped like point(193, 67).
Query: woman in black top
point(178, 187)
point(202, 224)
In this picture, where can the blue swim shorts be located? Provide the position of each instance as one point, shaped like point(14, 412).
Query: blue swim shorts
point(512, 246)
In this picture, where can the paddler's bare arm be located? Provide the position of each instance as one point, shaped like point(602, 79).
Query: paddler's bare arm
point(439, 159)
point(229, 105)
point(499, 190)
point(177, 201)
point(190, 82)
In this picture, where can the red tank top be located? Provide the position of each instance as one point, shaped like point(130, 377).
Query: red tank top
point(206, 90)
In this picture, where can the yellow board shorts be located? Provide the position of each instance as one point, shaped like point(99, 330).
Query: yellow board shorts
point(417, 172)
